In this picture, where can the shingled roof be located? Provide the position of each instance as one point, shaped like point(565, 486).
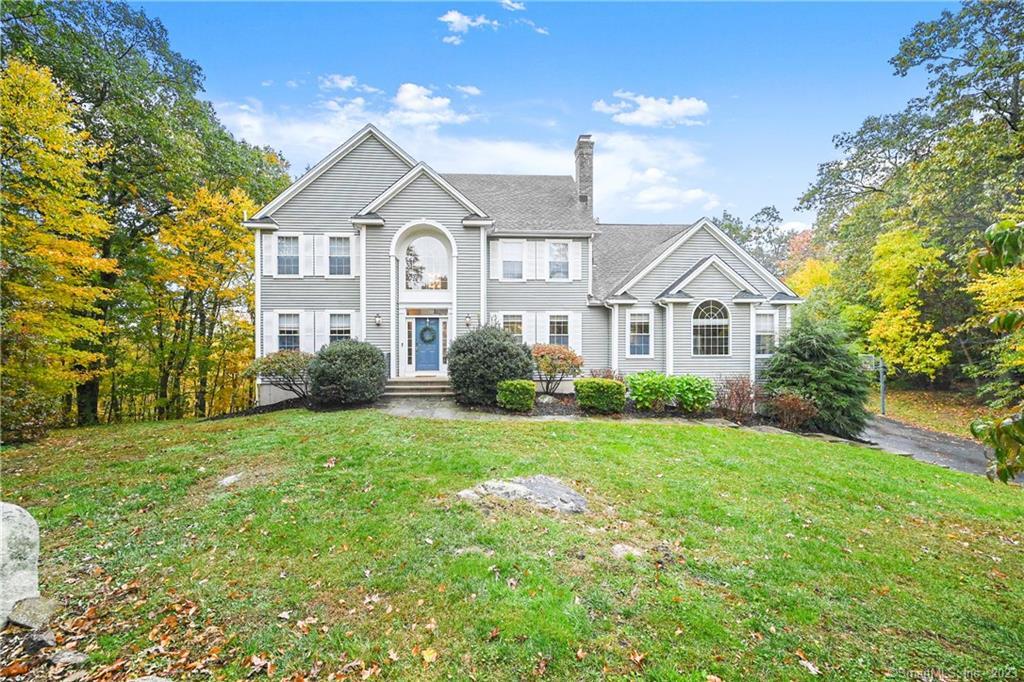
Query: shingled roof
point(526, 203)
point(620, 251)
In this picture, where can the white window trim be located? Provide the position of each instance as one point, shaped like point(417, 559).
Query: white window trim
point(353, 332)
point(729, 321)
point(327, 255)
point(775, 326)
point(501, 260)
point(277, 254)
point(278, 312)
point(547, 260)
point(522, 321)
point(568, 316)
point(649, 312)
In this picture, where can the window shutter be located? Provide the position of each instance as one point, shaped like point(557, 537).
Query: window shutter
point(269, 254)
point(355, 254)
point(529, 329)
point(576, 331)
point(575, 260)
point(269, 332)
point(529, 260)
point(495, 246)
point(542, 260)
point(319, 255)
point(306, 331)
point(321, 324)
point(543, 326)
point(305, 255)
point(357, 326)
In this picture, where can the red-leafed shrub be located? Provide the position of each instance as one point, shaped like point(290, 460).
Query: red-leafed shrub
point(737, 398)
point(791, 410)
point(555, 364)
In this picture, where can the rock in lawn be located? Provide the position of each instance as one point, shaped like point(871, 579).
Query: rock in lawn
point(19, 557)
point(150, 678)
point(229, 481)
point(38, 640)
point(34, 612)
point(68, 658)
point(545, 399)
point(622, 550)
point(767, 428)
point(541, 491)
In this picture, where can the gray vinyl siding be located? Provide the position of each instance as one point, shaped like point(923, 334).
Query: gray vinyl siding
point(712, 284)
point(702, 244)
point(596, 339)
point(310, 292)
point(328, 203)
point(421, 200)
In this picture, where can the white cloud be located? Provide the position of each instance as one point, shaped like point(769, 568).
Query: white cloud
point(536, 29)
point(513, 6)
point(470, 90)
point(267, 83)
point(293, 83)
point(461, 23)
point(335, 81)
point(795, 226)
point(641, 110)
point(637, 177)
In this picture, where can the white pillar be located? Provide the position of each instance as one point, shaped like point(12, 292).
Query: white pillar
point(615, 337)
point(484, 274)
point(753, 343)
point(670, 339)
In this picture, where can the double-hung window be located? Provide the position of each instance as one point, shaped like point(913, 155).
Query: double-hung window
point(340, 327)
point(640, 334)
point(765, 331)
point(513, 324)
point(710, 329)
point(512, 260)
point(558, 330)
point(558, 260)
point(287, 255)
point(288, 331)
point(339, 256)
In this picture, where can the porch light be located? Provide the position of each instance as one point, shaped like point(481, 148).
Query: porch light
point(469, 320)
point(377, 320)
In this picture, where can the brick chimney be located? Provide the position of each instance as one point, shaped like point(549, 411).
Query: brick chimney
point(585, 172)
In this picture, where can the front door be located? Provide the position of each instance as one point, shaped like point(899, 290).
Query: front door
point(428, 344)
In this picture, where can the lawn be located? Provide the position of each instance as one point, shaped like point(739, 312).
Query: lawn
point(345, 551)
point(948, 412)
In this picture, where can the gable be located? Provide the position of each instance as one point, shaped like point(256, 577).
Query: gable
point(712, 283)
point(342, 183)
point(423, 198)
point(421, 171)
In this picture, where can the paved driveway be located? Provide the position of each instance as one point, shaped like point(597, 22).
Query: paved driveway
point(928, 446)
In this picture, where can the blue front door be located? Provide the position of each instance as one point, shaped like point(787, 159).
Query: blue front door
point(428, 344)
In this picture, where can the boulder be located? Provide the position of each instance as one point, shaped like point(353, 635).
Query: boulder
point(19, 557)
point(229, 481)
point(38, 640)
point(68, 658)
point(622, 550)
point(541, 491)
point(34, 612)
point(150, 678)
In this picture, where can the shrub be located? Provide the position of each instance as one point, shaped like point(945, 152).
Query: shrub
point(517, 394)
point(26, 413)
point(605, 373)
point(650, 390)
point(286, 369)
point(737, 398)
point(692, 393)
point(347, 372)
point(477, 361)
point(815, 362)
point(790, 410)
point(555, 364)
point(605, 396)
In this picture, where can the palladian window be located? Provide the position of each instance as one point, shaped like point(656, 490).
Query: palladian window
point(426, 264)
point(711, 329)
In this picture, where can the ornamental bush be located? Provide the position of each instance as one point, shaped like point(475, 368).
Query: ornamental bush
point(790, 410)
point(606, 396)
point(347, 372)
point(285, 369)
point(477, 361)
point(650, 390)
point(737, 398)
point(815, 362)
point(692, 393)
point(555, 364)
point(517, 394)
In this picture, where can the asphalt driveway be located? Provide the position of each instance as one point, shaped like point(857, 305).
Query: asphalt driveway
point(927, 446)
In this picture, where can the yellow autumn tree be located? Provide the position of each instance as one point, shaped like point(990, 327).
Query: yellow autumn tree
point(813, 273)
point(904, 266)
point(48, 231)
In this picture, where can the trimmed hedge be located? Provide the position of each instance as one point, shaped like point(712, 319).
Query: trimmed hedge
point(651, 390)
point(606, 396)
point(517, 394)
point(693, 394)
point(479, 360)
point(346, 373)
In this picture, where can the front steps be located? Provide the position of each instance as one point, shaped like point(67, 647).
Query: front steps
point(418, 387)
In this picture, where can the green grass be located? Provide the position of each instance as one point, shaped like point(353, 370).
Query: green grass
point(948, 412)
point(759, 550)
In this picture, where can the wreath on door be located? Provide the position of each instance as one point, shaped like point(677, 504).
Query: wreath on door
point(428, 335)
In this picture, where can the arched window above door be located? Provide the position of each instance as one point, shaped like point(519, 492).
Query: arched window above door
point(427, 264)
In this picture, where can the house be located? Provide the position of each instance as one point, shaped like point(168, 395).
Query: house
point(372, 244)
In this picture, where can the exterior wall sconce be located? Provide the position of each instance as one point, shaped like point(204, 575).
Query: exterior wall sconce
point(377, 320)
point(469, 320)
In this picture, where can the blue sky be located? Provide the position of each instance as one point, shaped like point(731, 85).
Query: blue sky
point(695, 108)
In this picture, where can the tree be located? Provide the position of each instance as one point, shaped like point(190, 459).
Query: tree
point(762, 236)
point(48, 230)
point(285, 369)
